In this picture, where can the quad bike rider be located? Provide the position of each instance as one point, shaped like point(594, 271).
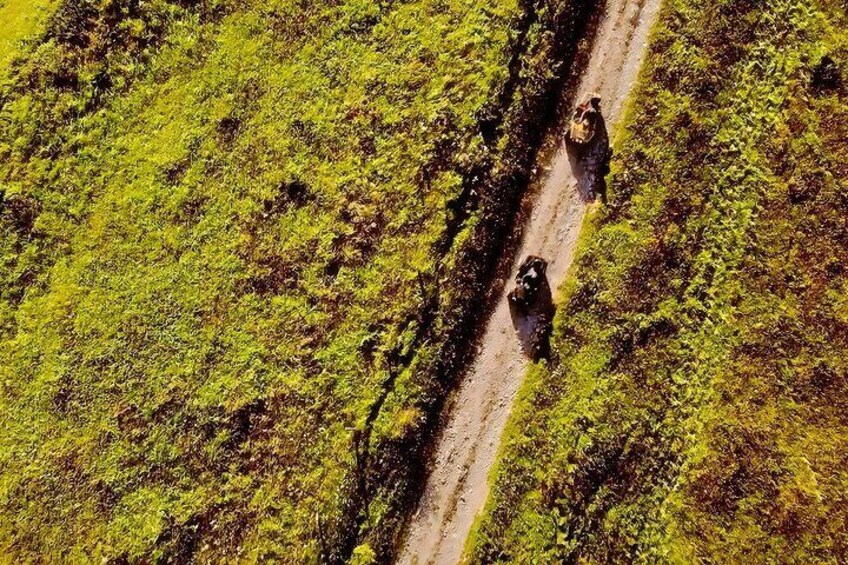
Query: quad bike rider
point(528, 281)
point(588, 143)
point(531, 308)
point(584, 121)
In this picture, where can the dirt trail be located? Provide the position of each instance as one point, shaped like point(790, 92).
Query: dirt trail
point(457, 486)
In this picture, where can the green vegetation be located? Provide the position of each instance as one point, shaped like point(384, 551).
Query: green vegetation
point(20, 20)
point(240, 245)
point(216, 220)
point(696, 407)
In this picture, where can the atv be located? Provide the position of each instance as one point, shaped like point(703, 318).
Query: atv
point(583, 121)
point(528, 281)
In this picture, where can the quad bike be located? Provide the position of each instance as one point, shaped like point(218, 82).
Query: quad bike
point(584, 120)
point(588, 143)
point(528, 281)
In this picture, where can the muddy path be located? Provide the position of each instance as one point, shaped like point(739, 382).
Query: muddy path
point(457, 486)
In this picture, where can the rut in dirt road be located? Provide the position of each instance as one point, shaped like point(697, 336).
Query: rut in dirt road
point(457, 486)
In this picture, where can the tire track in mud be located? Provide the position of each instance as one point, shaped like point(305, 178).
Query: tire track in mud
point(465, 451)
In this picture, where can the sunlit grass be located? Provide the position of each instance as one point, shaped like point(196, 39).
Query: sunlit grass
point(220, 224)
point(19, 20)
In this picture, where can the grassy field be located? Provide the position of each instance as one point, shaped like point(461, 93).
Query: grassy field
point(241, 244)
point(221, 222)
point(695, 411)
point(20, 20)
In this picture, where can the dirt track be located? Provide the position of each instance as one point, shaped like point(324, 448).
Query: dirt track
point(457, 486)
